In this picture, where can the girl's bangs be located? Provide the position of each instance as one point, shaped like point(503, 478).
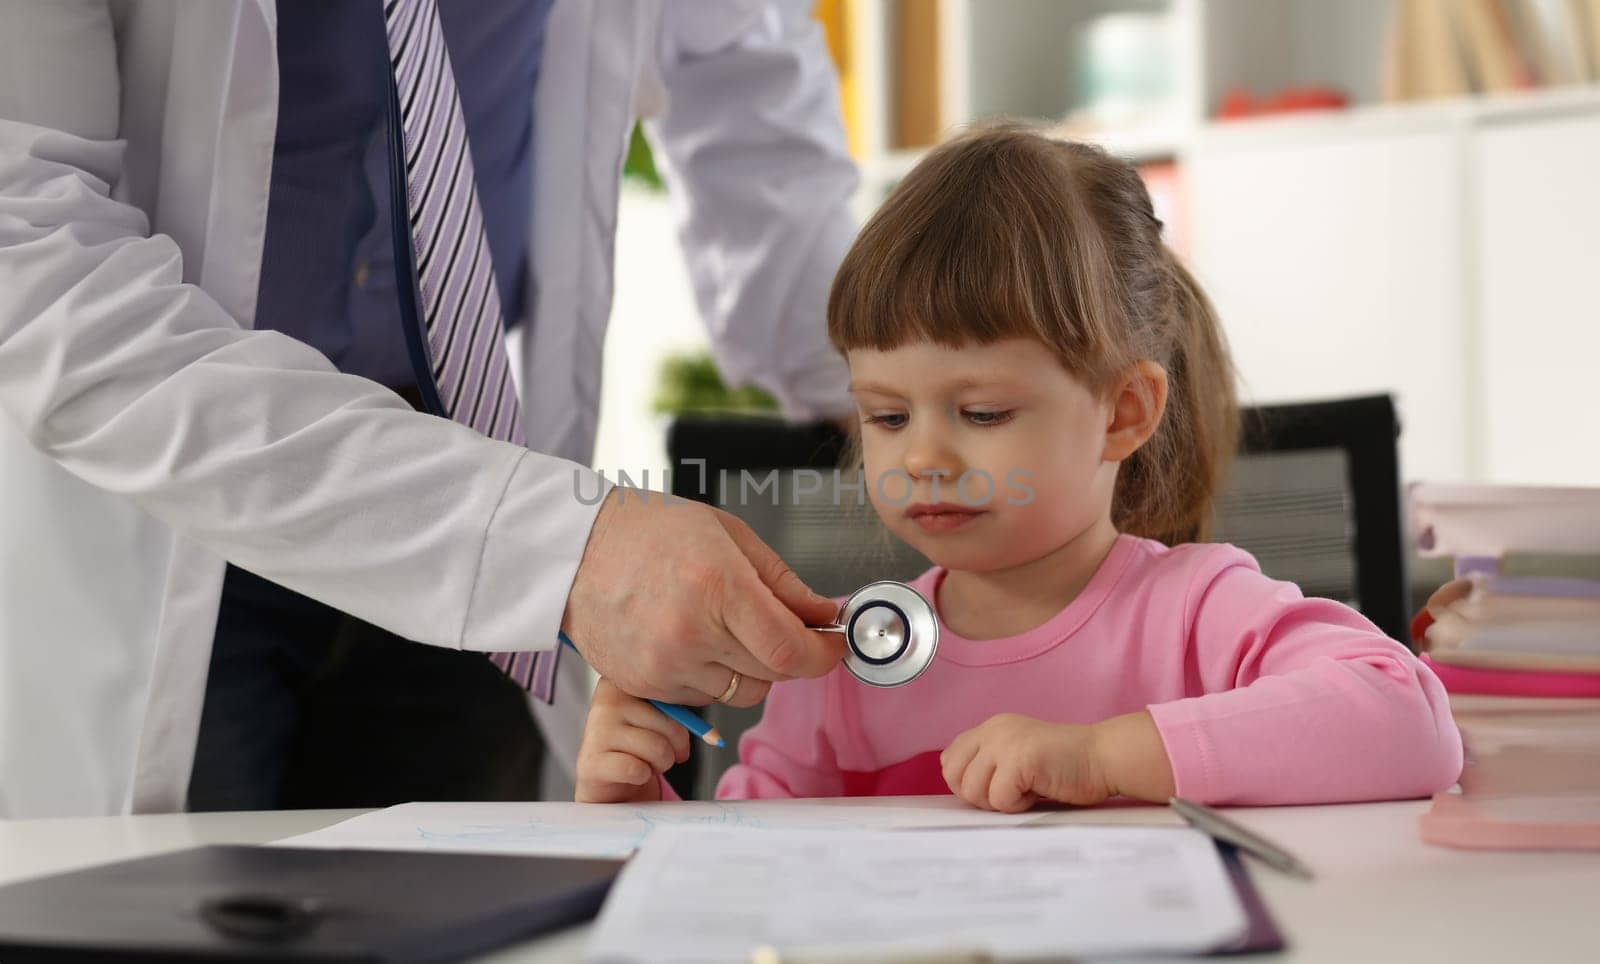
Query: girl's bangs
point(967, 250)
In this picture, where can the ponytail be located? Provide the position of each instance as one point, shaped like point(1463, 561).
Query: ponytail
point(1165, 490)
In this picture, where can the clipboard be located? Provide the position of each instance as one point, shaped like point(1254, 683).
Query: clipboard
point(240, 903)
point(1261, 934)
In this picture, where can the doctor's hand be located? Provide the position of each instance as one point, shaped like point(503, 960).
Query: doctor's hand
point(672, 599)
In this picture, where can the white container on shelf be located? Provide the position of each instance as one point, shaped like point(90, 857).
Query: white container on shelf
point(1122, 71)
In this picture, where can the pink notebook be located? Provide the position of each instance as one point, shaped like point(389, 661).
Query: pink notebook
point(1514, 682)
point(1531, 780)
point(1531, 822)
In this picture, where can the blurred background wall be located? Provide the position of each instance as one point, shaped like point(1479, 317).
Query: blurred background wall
point(1381, 195)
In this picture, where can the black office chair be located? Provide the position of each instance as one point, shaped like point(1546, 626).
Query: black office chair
point(1314, 495)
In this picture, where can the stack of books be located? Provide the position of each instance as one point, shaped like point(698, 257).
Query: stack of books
point(1522, 619)
point(1524, 615)
point(1528, 624)
point(1450, 48)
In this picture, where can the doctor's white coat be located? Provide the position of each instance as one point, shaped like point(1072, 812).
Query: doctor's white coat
point(149, 434)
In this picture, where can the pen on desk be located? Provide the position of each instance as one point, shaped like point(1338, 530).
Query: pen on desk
point(1214, 824)
point(681, 715)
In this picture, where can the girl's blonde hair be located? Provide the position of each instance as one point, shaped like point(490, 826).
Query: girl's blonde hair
point(1004, 233)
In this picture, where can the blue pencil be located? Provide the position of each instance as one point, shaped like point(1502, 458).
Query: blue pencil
point(682, 715)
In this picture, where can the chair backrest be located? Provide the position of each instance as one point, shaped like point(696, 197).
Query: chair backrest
point(1314, 495)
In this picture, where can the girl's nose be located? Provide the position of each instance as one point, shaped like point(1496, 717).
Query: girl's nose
point(928, 456)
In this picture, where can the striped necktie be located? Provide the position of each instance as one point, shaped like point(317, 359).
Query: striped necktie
point(453, 317)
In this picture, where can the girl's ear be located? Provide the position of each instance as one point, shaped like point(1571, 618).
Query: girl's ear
point(1136, 408)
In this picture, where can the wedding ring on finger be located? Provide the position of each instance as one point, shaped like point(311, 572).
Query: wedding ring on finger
point(732, 690)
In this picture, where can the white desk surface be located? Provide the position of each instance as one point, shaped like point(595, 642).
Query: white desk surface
point(1380, 893)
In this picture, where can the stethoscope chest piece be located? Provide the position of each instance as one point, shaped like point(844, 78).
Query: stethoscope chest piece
point(890, 632)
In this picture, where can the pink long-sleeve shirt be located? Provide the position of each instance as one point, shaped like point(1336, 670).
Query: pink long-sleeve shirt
point(1261, 695)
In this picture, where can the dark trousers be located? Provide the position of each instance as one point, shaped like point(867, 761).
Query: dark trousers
point(307, 707)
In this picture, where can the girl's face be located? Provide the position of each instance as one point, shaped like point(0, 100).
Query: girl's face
point(982, 457)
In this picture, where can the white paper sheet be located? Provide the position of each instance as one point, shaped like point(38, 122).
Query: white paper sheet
point(616, 830)
point(708, 894)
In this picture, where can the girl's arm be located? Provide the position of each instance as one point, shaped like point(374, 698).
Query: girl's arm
point(788, 753)
point(1305, 702)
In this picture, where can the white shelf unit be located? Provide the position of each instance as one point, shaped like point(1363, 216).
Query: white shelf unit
point(1017, 58)
point(1445, 252)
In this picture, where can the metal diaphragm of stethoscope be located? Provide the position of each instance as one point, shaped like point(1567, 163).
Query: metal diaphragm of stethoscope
point(890, 632)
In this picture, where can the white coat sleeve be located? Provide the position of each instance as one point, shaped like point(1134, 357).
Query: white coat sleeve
point(751, 143)
point(247, 442)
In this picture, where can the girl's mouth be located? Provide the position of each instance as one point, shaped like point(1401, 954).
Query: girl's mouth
point(942, 516)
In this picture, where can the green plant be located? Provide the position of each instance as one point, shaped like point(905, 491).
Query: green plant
point(640, 165)
point(689, 382)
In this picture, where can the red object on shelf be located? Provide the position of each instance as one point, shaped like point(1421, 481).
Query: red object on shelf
point(1239, 102)
point(1164, 182)
point(1419, 626)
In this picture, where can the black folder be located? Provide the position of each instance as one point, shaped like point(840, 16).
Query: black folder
point(285, 904)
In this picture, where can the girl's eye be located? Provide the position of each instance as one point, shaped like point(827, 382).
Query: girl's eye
point(988, 418)
point(887, 420)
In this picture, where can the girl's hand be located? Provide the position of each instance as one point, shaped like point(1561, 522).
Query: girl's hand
point(627, 745)
point(1010, 762)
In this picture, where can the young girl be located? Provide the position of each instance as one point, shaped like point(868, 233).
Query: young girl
point(1047, 408)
